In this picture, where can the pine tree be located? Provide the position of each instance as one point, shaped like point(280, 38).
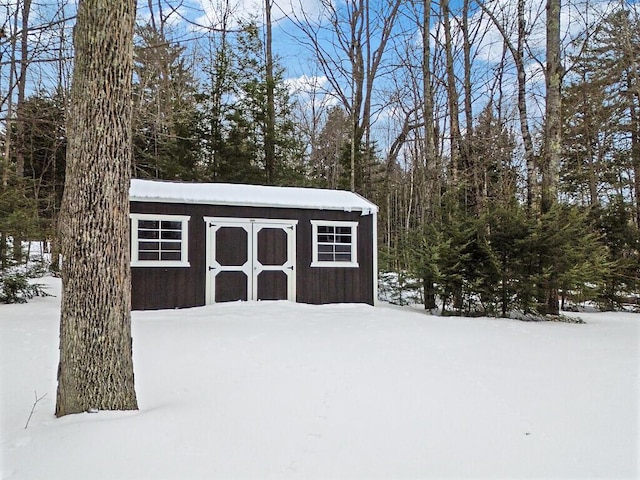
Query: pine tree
point(165, 121)
point(248, 118)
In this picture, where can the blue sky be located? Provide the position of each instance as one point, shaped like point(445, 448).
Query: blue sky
point(187, 20)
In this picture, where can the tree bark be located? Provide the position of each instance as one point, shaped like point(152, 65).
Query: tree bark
point(96, 366)
point(517, 52)
point(553, 124)
point(552, 135)
point(270, 121)
point(452, 92)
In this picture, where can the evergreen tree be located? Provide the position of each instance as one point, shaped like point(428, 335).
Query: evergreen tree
point(45, 151)
point(245, 125)
point(565, 249)
point(622, 240)
point(602, 115)
point(166, 141)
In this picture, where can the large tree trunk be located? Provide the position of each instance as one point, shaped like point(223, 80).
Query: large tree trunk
point(553, 123)
point(96, 367)
point(552, 135)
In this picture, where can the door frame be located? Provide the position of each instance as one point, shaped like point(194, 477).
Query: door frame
point(252, 226)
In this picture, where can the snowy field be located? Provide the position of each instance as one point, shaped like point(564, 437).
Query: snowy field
point(280, 390)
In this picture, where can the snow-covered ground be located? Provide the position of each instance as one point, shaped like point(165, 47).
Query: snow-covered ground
point(282, 390)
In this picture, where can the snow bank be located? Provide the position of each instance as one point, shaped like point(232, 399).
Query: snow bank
point(283, 390)
point(249, 195)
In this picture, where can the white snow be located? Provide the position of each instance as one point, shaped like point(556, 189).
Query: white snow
point(249, 195)
point(284, 390)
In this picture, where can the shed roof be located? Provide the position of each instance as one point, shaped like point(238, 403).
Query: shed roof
point(249, 196)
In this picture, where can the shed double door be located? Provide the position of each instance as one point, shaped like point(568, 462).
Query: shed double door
point(250, 259)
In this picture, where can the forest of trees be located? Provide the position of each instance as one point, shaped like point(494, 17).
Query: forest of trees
point(500, 140)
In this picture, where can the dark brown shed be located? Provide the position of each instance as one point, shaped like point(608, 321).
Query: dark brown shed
point(194, 244)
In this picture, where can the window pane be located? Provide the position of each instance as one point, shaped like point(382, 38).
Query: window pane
point(171, 225)
point(151, 234)
point(144, 246)
point(170, 256)
point(343, 249)
point(148, 255)
point(325, 229)
point(325, 257)
point(325, 248)
point(343, 230)
point(326, 238)
point(343, 239)
point(171, 235)
point(171, 246)
point(343, 257)
point(148, 224)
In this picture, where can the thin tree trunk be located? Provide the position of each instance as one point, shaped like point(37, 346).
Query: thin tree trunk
point(22, 81)
point(635, 151)
point(553, 124)
point(452, 93)
point(8, 140)
point(517, 53)
point(522, 109)
point(96, 366)
point(270, 134)
point(429, 181)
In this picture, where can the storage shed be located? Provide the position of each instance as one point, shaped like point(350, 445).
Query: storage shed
point(194, 244)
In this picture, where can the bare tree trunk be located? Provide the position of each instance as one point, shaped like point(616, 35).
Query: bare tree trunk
point(517, 52)
point(552, 134)
point(353, 80)
point(96, 366)
point(8, 140)
point(430, 181)
point(635, 149)
point(20, 141)
point(270, 121)
point(452, 92)
point(22, 81)
point(553, 124)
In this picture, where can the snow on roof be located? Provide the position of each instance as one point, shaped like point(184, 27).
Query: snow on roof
point(249, 196)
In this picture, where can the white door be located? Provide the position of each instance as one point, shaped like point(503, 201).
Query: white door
point(250, 259)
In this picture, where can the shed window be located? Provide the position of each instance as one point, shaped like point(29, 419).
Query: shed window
point(159, 240)
point(334, 244)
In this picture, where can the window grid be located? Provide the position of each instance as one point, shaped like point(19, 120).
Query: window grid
point(159, 240)
point(334, 244)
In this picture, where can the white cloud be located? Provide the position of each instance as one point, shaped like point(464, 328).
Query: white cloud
point(307, 85)
point(576, 17)
point(213, 11)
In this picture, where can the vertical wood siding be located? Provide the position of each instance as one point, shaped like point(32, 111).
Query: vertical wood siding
point(180, 287)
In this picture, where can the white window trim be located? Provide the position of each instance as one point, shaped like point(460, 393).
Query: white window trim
point(354, 244)
point(184, 252)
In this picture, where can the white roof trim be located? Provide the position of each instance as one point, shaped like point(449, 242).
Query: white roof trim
point(249, 196)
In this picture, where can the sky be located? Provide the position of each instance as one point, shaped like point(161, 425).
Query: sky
point(189, 23)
